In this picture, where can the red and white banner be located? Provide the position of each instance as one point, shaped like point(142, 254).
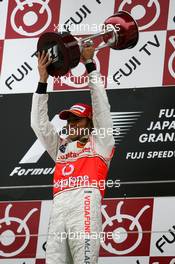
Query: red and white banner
point(142, 229)
point(150, 63)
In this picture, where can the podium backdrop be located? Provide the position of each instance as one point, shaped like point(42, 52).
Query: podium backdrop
point(140, 206)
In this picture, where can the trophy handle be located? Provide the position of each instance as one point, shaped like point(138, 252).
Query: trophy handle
point(120, 32)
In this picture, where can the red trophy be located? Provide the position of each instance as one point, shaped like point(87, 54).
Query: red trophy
point(120, 32)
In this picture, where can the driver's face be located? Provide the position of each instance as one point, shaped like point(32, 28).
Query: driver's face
point(77, 126)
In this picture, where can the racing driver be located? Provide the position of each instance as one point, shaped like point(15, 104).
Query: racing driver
point(82, 162)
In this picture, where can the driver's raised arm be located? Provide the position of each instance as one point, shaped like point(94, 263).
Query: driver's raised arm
point(102, 120)
point(40, 123)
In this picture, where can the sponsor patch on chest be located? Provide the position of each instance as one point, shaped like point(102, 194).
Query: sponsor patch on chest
point(75, 154)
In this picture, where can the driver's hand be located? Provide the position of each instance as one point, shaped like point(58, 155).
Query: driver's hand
point(43, 62)
point(87, 53)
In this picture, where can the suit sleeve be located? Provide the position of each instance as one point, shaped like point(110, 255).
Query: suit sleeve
point(41, 125)
point(103, 125)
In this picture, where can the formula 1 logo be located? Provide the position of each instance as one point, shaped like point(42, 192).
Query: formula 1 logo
point(37, 150)
point(122, 123)
point(16, 226)
point(30, 18)
point(127, 228)
point(147, 13)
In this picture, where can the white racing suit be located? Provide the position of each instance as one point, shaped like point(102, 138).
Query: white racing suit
point(80, 173)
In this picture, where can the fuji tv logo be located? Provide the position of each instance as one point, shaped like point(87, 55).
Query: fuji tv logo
point(141, 11)
point(14, 231)
point(120, 235)
point(32, 13)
